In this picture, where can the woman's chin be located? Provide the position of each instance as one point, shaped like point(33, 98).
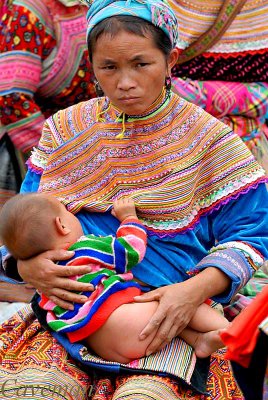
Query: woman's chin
point(131, 107)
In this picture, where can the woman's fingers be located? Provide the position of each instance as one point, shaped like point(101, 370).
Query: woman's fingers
point(66, 299)
point(53, 280)
point(153, 325)
point(163, 336)
point(70, 285)
point(150, 296)
point(72, 270)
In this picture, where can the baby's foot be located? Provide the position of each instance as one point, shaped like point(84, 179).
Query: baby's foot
point(207, 343)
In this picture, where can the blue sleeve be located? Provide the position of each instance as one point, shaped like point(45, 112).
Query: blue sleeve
point(31, 182)
point(241, 232)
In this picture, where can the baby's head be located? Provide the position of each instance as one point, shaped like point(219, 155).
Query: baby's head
point(36, 222)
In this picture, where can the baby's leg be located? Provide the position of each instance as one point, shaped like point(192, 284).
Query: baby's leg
point(118, 339)
point(207, 319)
point(203, 331)
point(204, 344)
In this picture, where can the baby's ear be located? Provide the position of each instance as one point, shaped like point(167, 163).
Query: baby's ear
point(61, 228)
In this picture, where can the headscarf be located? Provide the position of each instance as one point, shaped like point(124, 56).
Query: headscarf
point(157, 12)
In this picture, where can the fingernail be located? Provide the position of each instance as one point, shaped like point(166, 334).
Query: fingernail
point(142, 337)
point(68, 253)
point(148, 353)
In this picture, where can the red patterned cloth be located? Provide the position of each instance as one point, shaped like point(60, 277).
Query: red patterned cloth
point(44, 65)
point(31, 361)
point(241, 337)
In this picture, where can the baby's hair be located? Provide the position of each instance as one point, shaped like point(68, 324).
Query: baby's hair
point(26, 225)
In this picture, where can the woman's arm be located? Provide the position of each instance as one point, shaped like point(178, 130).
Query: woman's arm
point(178, 303)
point(219, 277)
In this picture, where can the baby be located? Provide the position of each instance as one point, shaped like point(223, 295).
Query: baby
point(109, 322)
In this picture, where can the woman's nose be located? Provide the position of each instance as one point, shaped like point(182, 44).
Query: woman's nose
point(126, 82)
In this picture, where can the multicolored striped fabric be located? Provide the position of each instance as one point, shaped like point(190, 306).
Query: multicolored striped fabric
point(189, 162)
point(44, 65)
point(242, 106)
point(110, 259)
point(177, 359)
point(239, 55)
point(229, 79)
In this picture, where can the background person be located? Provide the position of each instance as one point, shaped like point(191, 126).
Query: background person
point(222, 65)
point(44, 67)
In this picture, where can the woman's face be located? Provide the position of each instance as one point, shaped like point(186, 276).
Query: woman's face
point(131, 70)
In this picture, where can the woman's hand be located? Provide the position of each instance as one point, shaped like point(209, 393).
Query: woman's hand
point(54, 280)
point(178, 303)
point(176, 308)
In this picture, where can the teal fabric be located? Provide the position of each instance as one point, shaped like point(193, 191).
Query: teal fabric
point(155, 11)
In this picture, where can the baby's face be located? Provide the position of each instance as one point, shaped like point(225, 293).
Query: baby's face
point(71, 221)
point(67, 219)
point(75, 225)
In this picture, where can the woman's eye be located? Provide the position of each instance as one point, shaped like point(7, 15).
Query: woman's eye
point(142, 64)
point(109, 67)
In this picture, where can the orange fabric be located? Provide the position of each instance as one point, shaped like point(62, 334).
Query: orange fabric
point(100, 317)
point(243, 333)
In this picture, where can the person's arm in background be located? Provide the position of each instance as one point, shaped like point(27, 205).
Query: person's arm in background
point(240, 229)
point(26, 40)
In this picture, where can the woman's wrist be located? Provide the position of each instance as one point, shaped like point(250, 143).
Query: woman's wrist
point(208, 283)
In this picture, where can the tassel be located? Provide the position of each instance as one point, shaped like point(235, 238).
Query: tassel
point(121, 134)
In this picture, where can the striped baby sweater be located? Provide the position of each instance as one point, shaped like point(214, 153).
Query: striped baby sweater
point(111, 259)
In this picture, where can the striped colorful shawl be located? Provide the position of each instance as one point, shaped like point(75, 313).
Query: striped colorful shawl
point(178, 162)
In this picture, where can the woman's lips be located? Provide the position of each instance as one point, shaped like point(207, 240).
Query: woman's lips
point(128, 99)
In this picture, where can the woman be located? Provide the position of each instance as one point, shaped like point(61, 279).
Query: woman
point(197, 188)
point(223, 66)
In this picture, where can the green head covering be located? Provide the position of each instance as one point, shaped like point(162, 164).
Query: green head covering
point(157, 12)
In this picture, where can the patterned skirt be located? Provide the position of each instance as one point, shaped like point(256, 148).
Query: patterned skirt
point(34, 365)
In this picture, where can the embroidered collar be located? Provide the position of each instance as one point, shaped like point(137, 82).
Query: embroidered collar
point(119, 116)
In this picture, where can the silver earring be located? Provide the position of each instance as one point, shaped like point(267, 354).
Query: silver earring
point(98, 89)
point(168, 83)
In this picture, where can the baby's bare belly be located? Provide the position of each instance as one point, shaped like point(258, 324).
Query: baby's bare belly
point(118, 339)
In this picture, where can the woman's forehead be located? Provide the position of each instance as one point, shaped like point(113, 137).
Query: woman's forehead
point(131, 44)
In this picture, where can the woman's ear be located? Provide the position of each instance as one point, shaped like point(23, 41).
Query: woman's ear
point(61, 228)
point(172, 59)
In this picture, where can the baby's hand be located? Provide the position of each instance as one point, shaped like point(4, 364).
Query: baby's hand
point(124, 208)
